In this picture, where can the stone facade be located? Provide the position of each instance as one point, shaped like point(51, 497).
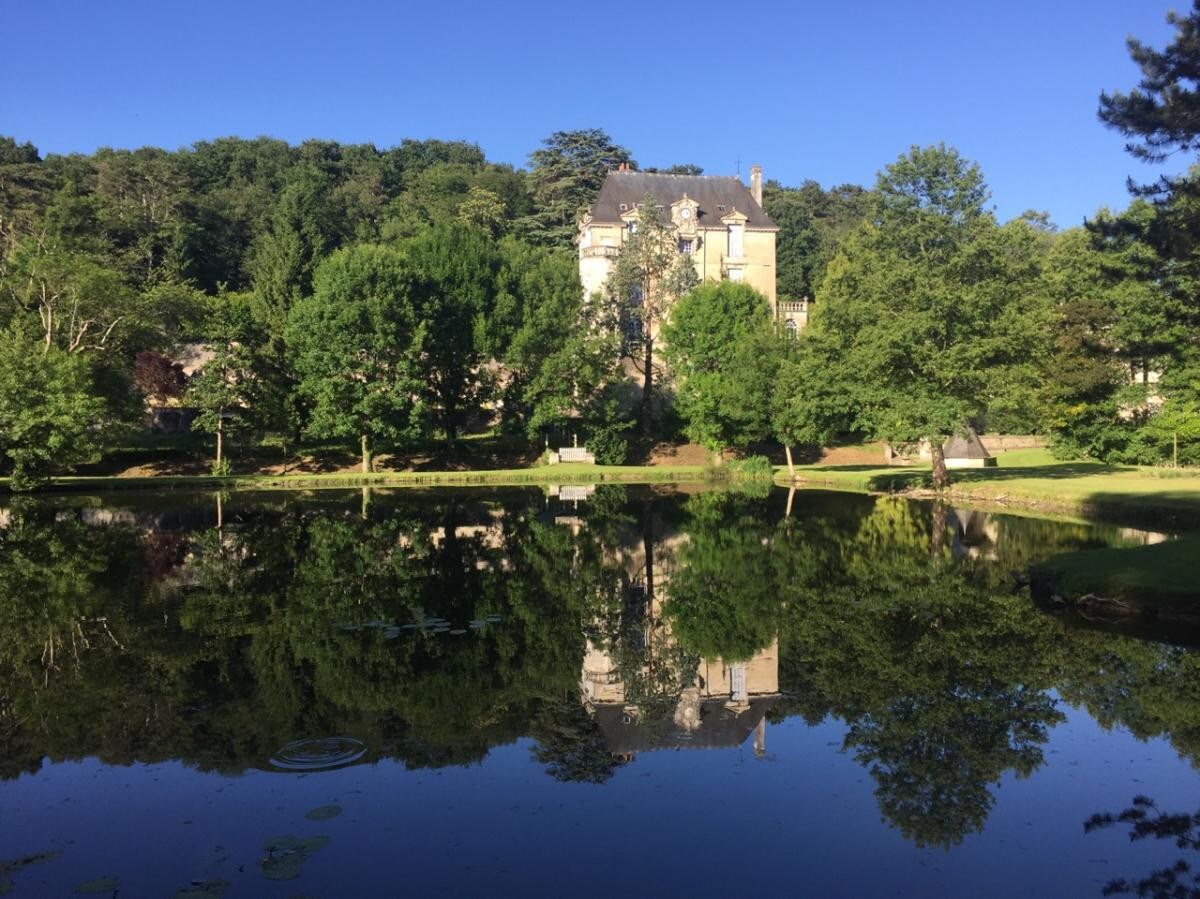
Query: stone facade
point(718, 221)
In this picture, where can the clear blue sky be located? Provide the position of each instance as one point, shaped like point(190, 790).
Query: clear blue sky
point(809, 89)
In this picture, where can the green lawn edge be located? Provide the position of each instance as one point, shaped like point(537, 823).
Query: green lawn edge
point(541, 475)
point(1090, 490)
point(1160, 573)
point(1029, 481)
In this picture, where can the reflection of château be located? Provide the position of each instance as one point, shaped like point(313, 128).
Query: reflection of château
point(726, 703)
point(718, 707)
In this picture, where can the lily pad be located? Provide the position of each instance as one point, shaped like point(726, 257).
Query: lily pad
point(12, 866)
point(323, 812)
point(286, 854)
point(204, 889)
point(99, 885)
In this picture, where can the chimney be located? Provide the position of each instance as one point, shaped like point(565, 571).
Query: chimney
point(756, 183)
point(623, 167)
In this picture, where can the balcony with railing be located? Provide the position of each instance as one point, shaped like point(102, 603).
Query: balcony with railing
point(600, 252)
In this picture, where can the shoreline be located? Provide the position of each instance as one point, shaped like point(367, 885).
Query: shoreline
point(1133, 495)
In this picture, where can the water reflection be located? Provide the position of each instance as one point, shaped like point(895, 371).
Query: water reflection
point(240, 632)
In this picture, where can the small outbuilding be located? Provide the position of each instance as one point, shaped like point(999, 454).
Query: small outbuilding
point(967, 451)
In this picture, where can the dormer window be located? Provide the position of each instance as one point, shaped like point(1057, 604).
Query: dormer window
point(624, 207)
point(720, 207)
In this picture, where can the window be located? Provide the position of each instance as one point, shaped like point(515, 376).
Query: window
point(791, 327)
point(720, 207)
point(624, 207)
point(633, 326)
point(686, 246)
point(631, 227)
point(736, 247)
point(737, 274)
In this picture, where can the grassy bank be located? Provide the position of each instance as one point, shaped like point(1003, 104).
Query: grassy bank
point(545, 474)
point(1034, 479)
point(1163, 575)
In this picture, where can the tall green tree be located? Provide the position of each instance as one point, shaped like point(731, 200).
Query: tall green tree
point(233, 391)
point(722, 347)
point(454, 269)
point(648, 276)
point(50, 412)
point(353, 344)
point(565, 174)
point(559, 347)
point(916, 309)
point(1159, 116)
point(812, 222)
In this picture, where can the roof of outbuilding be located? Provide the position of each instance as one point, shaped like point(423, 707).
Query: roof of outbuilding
point(967, 446)
point(710, 191)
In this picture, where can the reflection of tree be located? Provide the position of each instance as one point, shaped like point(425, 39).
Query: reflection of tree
point(1179, 881)
point(1151, 689)
point(943, 683)
point(286, 623)
point(724, 599)
point(570, 743)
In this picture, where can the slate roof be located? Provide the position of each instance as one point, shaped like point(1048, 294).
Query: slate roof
point(965, 447)
point(710, 191)
point(720, 727)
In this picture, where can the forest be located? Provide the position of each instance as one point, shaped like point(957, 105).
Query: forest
point(381, 299)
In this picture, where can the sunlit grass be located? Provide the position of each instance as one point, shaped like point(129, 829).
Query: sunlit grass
point(1162, 572)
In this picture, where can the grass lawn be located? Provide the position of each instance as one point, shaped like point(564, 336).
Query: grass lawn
point(1034, 478)
point(1162, 573)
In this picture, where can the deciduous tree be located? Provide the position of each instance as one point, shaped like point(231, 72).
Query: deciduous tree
point(353, 344)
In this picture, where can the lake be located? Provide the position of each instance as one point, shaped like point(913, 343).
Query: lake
point(599, 691)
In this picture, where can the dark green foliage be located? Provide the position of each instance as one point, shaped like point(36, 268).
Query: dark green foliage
point(924, 316)
point(455, 271)
point(234, 391)
point(812, 222)
point(724, 351)
point(1162, 113)
point(353, 344)
point(12, 153)
point(725, 600)
point(608, 441)
point(50, 414)
point(565, 176)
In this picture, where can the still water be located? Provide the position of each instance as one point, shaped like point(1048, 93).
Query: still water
point(619, 691)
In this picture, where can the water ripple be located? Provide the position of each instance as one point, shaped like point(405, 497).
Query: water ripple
point(319, 754)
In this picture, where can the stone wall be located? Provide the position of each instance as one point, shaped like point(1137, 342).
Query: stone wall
point(999, 443)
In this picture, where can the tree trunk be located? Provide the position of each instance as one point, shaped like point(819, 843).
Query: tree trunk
point(791, 496)
point(648, 387)
point(941, 478)
point(366, 454)
point(648, 550)
point(787, 449)
point(366, 503)
point(220, 438)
